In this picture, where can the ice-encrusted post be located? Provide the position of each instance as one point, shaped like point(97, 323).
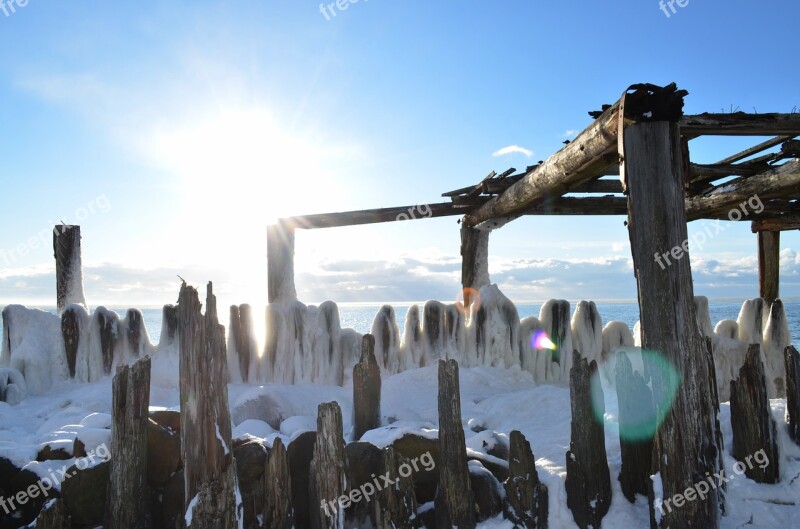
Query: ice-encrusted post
point(455, 501)
point(769, 250)
point(280, 263)
point(754, 427)
point(654, 160)
point(69, 272)
point(209, 473)
point(328, 483)
point(474, 261)
point(128, 505)
point(366, 390)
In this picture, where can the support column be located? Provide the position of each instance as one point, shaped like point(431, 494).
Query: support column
point(474, 261)
point(69, 272)
point(686, 443)
point(769, 249)
point(280, 263)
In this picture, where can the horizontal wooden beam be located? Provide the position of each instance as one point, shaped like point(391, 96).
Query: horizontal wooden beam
point(784, 223)
point(761, 147)
point(775, 183)
point(740, 124)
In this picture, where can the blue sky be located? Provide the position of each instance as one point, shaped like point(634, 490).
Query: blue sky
point(173, 132)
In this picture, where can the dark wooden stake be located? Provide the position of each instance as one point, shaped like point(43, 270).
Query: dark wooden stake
point(686, 441)
point(54, 516)
point(366, 390)
point(754, 428)
point(278, 508)
point(128, 505)
point(637, 425)
point(71, 331)
point(108, 327)
point(209, 471)
point(395, 506)
point(328, 482)
point(792, 359)
point(527, 496)
point(455, 502)
point(769, 249)
point(69, 276)
point(588, 480)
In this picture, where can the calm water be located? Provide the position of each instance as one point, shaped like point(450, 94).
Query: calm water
point(359, 317)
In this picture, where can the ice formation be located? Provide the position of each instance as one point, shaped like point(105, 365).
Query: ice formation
point(554, 315)
point(752, 320)
point(411, 350)
point(616, 336)
point(32, 345)
point(587, 331)
point(494, 329)
point(387, 339)
point(703, 316)
point(776, 339)
point(12, 386)
point(727, 329)
point(534, 360)
point(434, 333)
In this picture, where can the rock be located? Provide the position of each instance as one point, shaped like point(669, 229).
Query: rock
point(300, 452)
point(268, 408)
point(23, 484)
point(48, 453)
point(163, 453)
point(168, 504)
point(84, 494)
point(412, 446)
point(170, 419)
point(78, 448)
point(487, 490)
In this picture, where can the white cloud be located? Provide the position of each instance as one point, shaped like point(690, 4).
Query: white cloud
point(513, 149)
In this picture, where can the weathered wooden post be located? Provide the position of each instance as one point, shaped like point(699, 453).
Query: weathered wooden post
point(637, 425)
point(53, 516)
point(366, 390)
point(395, 507)
point(769, 250)
point(278, 506)
point(128, 505)
point(792, 359)
point(71, 333)
point(653, 172)
point(328, 482)
point(69, 271)
point(588, 482)
point(474, 261)
point(527, 496)
point(209, 472)
point(280, 263)
point(754, 428)
point(108, 327)
point(455, 502)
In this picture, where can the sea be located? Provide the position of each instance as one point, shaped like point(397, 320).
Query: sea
point(359, 316)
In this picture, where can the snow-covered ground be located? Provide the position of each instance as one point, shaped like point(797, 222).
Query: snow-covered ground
point(497, 399)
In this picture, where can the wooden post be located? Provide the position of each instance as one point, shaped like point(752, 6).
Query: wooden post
point(754, 427)
point(71, 332)
point(474, 261)
point(366, 390)
point(527, 496)
point(69, 274)
point(792, 359)
point(53, 516)
point(395, 507)
point(588, 480)
point(328, 482)
point(278, 508)
point(209, 471)
point(769, 249)
point(686, 443)
point(455, 502)
point(637, 425)
point(108, 327)
point(280, 263)
point(246, 337)
point(128, 505)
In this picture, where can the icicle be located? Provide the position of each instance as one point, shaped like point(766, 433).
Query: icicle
point(456, 333)
point(587, 331)
point(434, 337)
point(326, 350)
point(554, 315)
point(411, 348)
point(387, 341)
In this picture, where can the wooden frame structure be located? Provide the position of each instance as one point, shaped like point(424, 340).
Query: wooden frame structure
point(634, 160)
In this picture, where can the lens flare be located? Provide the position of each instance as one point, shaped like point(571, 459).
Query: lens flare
point(540, 340)
point(468, 300)
point(652, 383)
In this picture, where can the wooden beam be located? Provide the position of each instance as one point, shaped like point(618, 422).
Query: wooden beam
point(747, 153)
point(768, 185)
point(583, 159)
point(769, 249)
point(373, 216)
point(786, 222)
point(686, 440)
point(740, 124)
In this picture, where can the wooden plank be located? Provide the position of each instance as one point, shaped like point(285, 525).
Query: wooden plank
point(787, 222)
point(769, 249)
point(372, 216)
point(740, 124)
point(768, 185)
point(686, 440)
point(747, 153)
point(128, 504)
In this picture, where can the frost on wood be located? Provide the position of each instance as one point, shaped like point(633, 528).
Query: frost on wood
point(493, 330)
point(69, 273)
point(387, 340)
point(752, 320)
point(554, 316)
point(587, 331)
point(703, 316)
point(777, 338)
